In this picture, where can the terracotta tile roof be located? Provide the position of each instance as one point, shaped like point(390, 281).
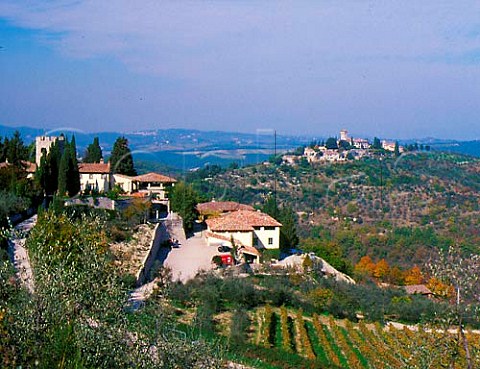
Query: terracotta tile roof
point(154, 177)
point(29, 166)
point(221, 207)
point(242, 220)
point(420, 289)
point(249, 250)
point(101, 168)
point(117, 175)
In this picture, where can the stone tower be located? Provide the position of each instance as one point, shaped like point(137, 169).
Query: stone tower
point(43, 144)
point(344, 135)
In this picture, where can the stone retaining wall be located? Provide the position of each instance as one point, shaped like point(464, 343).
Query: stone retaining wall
point(160, 235)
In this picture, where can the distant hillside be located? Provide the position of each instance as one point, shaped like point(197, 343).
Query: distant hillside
point(464, 147)
point(181, 149)
point(400, 209)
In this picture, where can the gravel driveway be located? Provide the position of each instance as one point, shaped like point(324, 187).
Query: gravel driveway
point(191, 254)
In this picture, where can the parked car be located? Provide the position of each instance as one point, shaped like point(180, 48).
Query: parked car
point(224, 248)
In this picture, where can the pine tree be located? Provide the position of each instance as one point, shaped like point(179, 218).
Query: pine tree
point(121, 160)
point(16, 151)
point(93, 153)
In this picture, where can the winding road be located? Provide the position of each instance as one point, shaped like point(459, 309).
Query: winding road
point(19, 255)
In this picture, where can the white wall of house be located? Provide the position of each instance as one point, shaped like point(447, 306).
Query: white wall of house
point(125, 183)
point(246, 238)
point(267, 237)
point(97, 181)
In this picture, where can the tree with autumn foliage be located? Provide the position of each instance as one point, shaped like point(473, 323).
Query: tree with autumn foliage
point(414, 276)
point(365, 267)
point(382, 269)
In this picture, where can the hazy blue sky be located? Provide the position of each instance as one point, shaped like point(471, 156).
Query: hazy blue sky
point(386, 68)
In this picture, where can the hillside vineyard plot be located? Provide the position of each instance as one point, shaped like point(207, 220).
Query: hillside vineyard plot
point(330, 343)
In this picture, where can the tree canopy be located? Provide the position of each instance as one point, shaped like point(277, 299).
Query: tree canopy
point(93, 154)
point(121, 160)
point(331, 143)
point(13, 150)
point(183, 200)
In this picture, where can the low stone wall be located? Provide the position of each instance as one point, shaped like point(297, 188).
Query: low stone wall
point(160, 235)
point(98, 202)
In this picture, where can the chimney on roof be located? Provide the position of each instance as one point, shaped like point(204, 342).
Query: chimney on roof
point(101, 161)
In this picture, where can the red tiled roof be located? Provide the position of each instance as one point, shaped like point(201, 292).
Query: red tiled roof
point(154, 177)
point(29, 166)
point(242, 220)
point(221, 207)
point(420, 289)
point(249, 250)
point(101, 168)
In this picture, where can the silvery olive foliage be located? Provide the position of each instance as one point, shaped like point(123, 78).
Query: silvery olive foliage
point(461, 272)
point(78, 316)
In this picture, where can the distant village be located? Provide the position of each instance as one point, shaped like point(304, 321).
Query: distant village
point(342, 149)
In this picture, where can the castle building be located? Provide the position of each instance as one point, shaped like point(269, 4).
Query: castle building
point(344, 135)
point(43, 144)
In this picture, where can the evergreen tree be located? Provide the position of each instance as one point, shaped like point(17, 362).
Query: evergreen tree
point(2, 151)
point(42, 172)
point(121, 160)
point(73, 180)
point(397, 149)
point(270, 207)
point(288, 231)
point(377, 145)
point(183, 200)
point(16, 151)
point(53, 163)
point(64, 170)
point(344, 145)
point(93, 153)
point(331, 143)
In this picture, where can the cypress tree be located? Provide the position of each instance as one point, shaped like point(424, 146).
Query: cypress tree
point(377, 144)
point(2, 151)
point(397, 149)
point(288, 231)
point(73, 179)
point(41, 173)
point(63, 171)
point(52, 164)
